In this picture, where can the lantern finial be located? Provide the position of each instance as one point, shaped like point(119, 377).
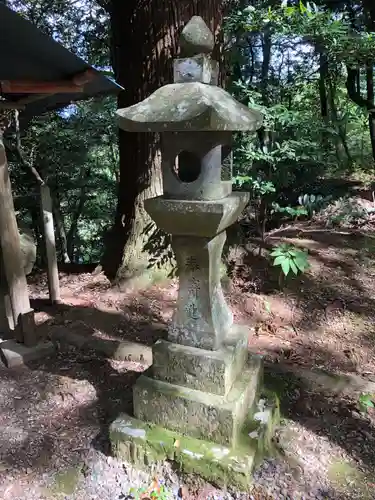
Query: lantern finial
point(196, 38)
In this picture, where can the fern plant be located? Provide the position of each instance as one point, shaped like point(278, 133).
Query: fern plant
point(290, 259)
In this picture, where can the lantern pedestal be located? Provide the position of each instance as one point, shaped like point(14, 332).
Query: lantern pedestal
point(203, 409)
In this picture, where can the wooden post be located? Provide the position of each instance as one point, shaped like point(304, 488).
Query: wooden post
point(12, 257)
point(49, 237)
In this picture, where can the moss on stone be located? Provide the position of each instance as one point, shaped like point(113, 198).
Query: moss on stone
point(217, 463)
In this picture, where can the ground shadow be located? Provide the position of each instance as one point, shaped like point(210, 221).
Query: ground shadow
point(325, 413)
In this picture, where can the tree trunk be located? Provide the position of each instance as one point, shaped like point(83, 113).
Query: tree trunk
point(323, 77)
point(145, 39)
point(72, 233)
point(342, 148)
point(354, 93)
point(370, 98)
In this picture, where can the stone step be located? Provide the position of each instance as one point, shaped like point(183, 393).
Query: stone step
point(199, 414)
point(148, 446)
point(200, 369)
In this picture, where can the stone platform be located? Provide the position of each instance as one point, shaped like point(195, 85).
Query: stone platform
point(146, 445)
point(201, 408)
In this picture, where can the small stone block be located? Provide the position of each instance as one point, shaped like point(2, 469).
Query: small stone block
point(28, 328)
point(193, 69)
point(200, 369)
point(16, 354)
point(198, 414)
point(147, 446)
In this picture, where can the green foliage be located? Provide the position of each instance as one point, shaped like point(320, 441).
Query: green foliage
point(290, 259)
point(76, 154)
point(312, 203)
point(158, 493)
point(312, 128)
point(366, 401)
point(293, 212)
point(345, 212)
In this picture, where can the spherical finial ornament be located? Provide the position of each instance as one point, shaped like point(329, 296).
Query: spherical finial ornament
point(196, 38)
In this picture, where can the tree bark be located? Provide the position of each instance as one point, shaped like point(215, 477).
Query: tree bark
point(370, 98)
point(72, 233)
point(342, 148)
point(144, 41)
point(354, 93)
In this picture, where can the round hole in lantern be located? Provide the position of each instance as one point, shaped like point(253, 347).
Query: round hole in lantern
point(187, 166)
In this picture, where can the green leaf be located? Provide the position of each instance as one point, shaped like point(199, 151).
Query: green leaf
point(276, 252)
point(366, 400)
point(293, 267)
point(301, 263)
point(279, 260)
point(285, 266)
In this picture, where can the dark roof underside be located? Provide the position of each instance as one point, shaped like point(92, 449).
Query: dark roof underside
point(28, 54)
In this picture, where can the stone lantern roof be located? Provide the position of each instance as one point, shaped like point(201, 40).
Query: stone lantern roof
point(193, 102)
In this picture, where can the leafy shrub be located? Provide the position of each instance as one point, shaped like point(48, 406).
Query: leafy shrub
point(313, 203)
point(344, 213)
point(366, 401)
point(290, 258)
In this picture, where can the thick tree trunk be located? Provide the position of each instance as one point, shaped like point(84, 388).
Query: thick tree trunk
point(144, 41)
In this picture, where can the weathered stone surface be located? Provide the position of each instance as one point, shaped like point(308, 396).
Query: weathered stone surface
point(196, 218)
point(196, 37)
point(145, 445)
point(192, 106)
point(16, 354)
point(200, 68)
point(195, 413)
point(203, 370)
point(202, 318)
point(199, 163)
point(28, 249)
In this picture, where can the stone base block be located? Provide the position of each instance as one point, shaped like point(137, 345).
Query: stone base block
point(15, 354)
point(199, 414)
point(200, 369)
point(145, 445)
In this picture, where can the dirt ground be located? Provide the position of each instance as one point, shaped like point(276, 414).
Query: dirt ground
point(317, 336)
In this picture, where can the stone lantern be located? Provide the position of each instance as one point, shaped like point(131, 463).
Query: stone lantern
point(200, 402)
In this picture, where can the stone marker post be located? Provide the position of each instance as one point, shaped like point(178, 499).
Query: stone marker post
point(200, 403)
